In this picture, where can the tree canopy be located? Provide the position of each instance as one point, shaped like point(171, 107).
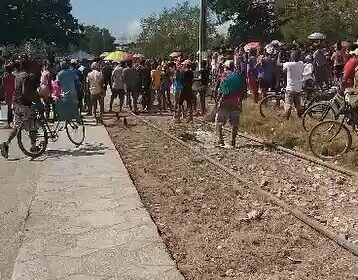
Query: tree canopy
point(252, 20)
point(172, 29)
point(48, 20)
point(94, 40)
point(337, 19)
point(292, 20)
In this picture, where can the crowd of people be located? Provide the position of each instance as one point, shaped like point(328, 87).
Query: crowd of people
point(167, 84)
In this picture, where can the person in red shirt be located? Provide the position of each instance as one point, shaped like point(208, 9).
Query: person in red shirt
point(9, 87)
point(349, 70)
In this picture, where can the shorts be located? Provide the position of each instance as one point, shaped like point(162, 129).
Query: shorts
point(291, 97)
point(22, 113)
point(118, 92)
point(224, 115)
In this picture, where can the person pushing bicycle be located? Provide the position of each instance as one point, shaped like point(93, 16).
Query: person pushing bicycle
point(26, 84)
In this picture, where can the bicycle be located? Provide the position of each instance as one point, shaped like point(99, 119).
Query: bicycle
point(320, 111)
point(273, 102)
point(331, 139)
point(39, 132)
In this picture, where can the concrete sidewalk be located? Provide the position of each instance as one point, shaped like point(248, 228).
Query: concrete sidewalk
point(86, 221)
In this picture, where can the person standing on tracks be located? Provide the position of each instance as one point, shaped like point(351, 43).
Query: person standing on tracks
point(229, 105)
point(145, 76)
point(187, 91)
point(156, 81)
point(131, 81)
point(118, 86)
point(107, 75)
point(178, 88)
point(203, 91)
point(167, 75)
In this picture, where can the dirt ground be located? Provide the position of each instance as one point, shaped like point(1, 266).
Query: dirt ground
point(216, 228)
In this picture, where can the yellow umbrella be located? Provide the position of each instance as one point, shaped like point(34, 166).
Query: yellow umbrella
point(103, 55)
point(119, 56)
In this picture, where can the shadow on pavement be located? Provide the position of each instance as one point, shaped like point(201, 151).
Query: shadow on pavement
point(84, 151)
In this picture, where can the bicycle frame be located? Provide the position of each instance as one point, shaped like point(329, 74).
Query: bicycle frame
point(52, 133)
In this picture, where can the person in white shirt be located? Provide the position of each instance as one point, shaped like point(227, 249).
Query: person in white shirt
point(308, 72)
point(95, 84)
point(118, 87)
point(294, 70)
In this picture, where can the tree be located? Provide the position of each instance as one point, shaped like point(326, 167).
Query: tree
point(48, 20)
point(94, 40)
point(337, 19)
point(252, 19)
point(175, 29)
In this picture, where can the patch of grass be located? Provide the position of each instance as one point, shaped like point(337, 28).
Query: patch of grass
point(287, 133)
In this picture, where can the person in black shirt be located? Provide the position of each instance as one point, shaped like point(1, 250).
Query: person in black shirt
point(145, 77)
point(187, 92)
point(107, 71)
point(205, 80)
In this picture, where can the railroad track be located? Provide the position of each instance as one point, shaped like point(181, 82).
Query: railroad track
point(282, 149)
point(292, 153)
point(297, 213)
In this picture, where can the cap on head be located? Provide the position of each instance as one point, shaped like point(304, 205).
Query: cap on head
point(95, 66)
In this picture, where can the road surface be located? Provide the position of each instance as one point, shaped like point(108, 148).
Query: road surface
point(18, 179)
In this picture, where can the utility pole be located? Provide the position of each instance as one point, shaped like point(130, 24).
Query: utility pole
point(203, 31)
point(104, 40)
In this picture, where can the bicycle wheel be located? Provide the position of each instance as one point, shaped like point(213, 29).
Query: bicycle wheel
point(317, 113)
point(330, 140)
point(76, 131)
point(32, 138)
point(271, 104)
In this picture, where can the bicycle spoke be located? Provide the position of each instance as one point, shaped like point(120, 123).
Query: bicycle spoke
point(330, 139)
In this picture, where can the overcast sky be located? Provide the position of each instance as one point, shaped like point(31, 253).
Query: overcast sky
point(121, 17)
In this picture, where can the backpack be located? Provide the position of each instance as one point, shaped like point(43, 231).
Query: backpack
point(29, 89)
point(233, 82)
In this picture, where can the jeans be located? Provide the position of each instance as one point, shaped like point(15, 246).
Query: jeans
point(132, 99)
point(10, 114)
point(164, 98)
point(95, 99)
point(147, 98)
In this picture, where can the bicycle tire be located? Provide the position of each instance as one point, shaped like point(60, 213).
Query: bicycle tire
point(324, 152)
point(326, 110)
point(76, 124)
point(23, 128)
point(273, 98)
